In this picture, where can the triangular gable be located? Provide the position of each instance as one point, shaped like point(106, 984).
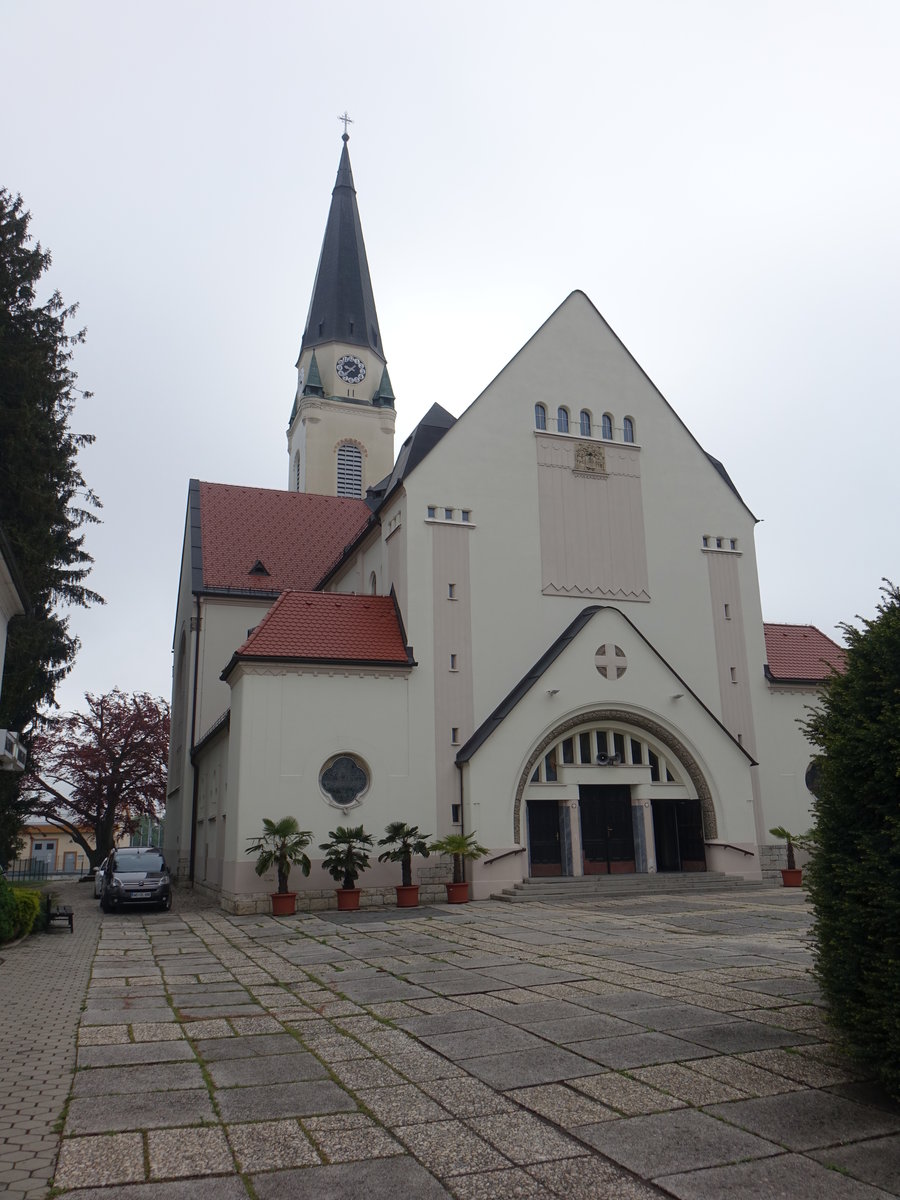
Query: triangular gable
point(550, 655)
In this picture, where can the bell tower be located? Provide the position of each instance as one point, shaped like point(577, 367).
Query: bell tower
point(341, 430)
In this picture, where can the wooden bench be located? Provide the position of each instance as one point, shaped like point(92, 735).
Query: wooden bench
point(62, 912)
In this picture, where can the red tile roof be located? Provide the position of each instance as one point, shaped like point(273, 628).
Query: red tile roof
point(801, 653)
point(295, 536)
point(328, 627)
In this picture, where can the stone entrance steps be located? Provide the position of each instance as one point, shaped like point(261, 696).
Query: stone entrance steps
point(563, 888)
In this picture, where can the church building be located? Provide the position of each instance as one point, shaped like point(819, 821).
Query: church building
point(539, 623)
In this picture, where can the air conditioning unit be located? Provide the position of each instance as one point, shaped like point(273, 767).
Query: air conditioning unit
point(13, 754)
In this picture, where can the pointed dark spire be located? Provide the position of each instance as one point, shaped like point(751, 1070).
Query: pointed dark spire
point(342, 308)
point(384, 397)
point(313, 386)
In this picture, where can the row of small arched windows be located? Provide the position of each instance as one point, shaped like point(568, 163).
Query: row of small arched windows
point(565, 423)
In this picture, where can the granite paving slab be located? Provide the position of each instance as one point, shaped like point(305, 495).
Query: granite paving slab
point(120, 1080)
point(807, 1120)
point(562, 1105)
point(625, 1095)
point(640, 1050)
point(269, 1103)
point(876, 1161)
point(191, 1012)
point(150, 1110)
point(528, 974)
point(544, 1064)
point(449, 1148)
point(214, 1188)
point(495, 1038)
point(524, 1138)
point(540, 1010)
point(403, 1105)
point(736, 1037)
point(247, 1072)
point(175, 1153)
point(382, 1179)
point(579, 1029)
point(788, 1175)
point(589, 1179)
point(671, 1142)
point(126, 1016)
point(451, 1022)
point(455, 982)
point(129, 1053)
point(217, 1049)
point(664, 1017)
point(268, 1145)
point(381, 987)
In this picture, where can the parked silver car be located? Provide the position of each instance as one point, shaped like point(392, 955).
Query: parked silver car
point(135, 876)
point(98, 879)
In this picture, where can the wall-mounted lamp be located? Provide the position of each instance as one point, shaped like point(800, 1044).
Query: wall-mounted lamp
point(678, 696)
point(552, 691)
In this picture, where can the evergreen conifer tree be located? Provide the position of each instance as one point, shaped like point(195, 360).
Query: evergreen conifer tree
point(44, 501)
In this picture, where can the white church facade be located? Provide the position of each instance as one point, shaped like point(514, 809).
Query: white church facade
point(540, 623)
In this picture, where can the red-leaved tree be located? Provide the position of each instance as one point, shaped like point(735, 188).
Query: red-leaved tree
point(101, 770)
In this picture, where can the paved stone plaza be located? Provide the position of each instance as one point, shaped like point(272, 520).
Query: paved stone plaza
point(622, 1049)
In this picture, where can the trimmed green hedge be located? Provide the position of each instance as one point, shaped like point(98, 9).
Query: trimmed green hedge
point(8, 912)
point(854, 876)
point(21, 911)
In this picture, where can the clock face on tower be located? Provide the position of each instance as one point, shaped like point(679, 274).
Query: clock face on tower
point(351, 369)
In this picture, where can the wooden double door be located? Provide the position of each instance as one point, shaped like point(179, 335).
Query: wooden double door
point(607, 835)
point(678, 835)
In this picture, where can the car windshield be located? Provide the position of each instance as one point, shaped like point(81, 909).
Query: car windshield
point(139, 862)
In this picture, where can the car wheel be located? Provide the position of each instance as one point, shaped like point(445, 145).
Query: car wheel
point(167, 903)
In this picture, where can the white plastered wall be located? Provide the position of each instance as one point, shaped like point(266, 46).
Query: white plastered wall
point(285, 724)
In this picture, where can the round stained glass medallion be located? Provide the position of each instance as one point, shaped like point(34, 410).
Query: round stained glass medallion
point(344, 779)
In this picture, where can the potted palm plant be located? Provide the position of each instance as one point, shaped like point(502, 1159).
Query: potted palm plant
point(792, 875)
point(404, 841)
point(282, 845)
point(345, 858)
point(460, 846)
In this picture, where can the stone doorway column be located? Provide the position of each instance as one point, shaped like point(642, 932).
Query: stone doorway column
point(644, 843)
point(570, 837)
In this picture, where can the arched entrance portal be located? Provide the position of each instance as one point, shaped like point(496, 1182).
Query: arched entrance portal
point(613, 792)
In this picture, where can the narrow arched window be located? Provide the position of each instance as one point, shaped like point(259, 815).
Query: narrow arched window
point(585, 423)
point(607, 426)
point(373, 584)
point(349, 471)
point(298, 473)
point(562, 420)
point(540, 417)
point(628, 429)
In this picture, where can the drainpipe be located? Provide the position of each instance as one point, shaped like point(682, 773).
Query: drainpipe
point(195, 778)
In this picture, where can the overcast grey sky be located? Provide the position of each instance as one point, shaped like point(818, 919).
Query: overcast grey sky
point(721, 178)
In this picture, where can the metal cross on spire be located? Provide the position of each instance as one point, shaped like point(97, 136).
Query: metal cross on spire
point(347, 121)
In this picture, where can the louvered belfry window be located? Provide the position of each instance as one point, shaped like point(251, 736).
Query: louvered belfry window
point(349, 471)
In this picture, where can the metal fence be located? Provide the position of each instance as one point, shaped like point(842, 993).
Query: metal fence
point(27, 868)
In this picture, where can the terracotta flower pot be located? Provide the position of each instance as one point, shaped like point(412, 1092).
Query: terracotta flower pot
point(284, 904)
point(457, 893)
point(348, 899)
point(407, 897)
point(791, 878)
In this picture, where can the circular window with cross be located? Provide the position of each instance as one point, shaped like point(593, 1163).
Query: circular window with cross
point(610, 661)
